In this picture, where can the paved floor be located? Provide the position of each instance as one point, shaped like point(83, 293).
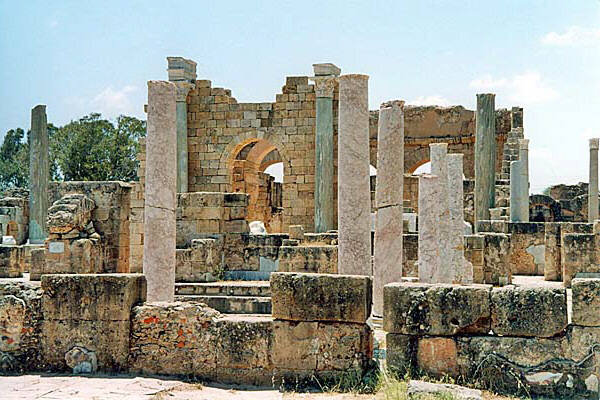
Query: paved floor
point(29, 387)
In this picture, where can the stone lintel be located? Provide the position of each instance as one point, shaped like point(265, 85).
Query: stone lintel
point(326, 69)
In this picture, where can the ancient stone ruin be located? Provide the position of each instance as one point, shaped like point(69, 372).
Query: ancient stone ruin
point(210, 267)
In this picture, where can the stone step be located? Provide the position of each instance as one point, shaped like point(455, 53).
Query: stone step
point(233, 304)
point(228, 288)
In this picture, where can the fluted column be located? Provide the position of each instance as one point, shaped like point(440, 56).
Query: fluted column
point(354, 197)
point(39, 174)
point(161, 189)
point(325, 76)
point(593, 185)
point(387, 259)
point(485, 156)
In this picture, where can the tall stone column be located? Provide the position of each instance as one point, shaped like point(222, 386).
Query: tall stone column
point(462, 269)
point(429, 249)
point(519, 192)
point(354, 197)
point(593, 184)
point(325, 76)
point(438, 154)
point(161, 189)
point(182, 72)
point(524, 156)
point(39, 174)
point(485, 156)
point(387, 259)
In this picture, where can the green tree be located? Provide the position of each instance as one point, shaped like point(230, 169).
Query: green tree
point(14, 164)
point(90, 148)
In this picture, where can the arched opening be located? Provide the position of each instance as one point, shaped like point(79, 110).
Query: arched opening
point(424, 168)
point(257, 169)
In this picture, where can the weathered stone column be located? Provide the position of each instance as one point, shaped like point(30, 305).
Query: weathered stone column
point(429, 249)
point(462, 269)
point(516, 117)
point(354, 197)
point(161, 188)
point(519, 197)
point(325, 76)
point(438, 154)
point(593, 184)
point(39, 174)
point(387, 259)
point(485, 156)
point(182, 72)
point(524, 156)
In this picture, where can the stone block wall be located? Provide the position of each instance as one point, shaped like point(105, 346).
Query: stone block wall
point(510, 339)
point(192, 339)
point(14, 218)
point(11, 259)
point(320, 259)
point(554, 232)
point(202, 262)
point(92, 312)
point(578, 254)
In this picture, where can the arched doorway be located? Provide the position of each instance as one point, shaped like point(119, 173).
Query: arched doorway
point(248, 166)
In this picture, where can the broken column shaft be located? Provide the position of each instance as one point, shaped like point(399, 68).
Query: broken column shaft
point(593, 184)
point(485, 156)
point(387, 258)
point(39, 174)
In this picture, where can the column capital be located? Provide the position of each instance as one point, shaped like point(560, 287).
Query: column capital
point(183, 88)
point(523, 144)
point(594, 144)
point(324, 85)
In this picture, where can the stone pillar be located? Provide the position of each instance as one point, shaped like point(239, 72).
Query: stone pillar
point(593, 184)
point(519, 192)
point(462, 269)
point(182, 72)
point(429, 249)
point(325, 76)
point(524, 156)
point(485, 156)
point(39, 174)
point(160, 205)
point(387, 259)
point(354, 195)
point(438, 154)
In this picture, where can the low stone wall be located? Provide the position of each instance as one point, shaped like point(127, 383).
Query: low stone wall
point(509, 339)
point(202, 262)
point(302, 340)
point(320, 259)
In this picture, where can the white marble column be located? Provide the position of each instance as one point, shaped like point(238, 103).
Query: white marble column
point(387, 259)
point(593, 184)
point(429, 249)
point(438, 154)
point(462, 269)
point(354, 197)
point(519, 197)
point(160, 192)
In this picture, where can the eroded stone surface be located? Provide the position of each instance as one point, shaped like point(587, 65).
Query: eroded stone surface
point(422, 309)
point(321, 297)
point(523, 311)
point(71, 212)
point(586, 302)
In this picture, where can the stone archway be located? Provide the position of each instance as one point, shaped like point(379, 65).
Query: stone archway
point(246, 162)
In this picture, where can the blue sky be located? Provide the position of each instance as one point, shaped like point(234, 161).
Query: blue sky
point(80, 56)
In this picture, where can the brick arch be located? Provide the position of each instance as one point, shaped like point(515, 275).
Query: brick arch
point(414, 158)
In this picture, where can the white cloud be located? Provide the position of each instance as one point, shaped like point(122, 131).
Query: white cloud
point(487, 82)
point(110, 102)
point(572, 36)
point(434, 100)
point(525, 88)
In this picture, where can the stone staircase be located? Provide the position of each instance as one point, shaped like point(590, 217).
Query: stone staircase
point(511, 153)
point(229, 297)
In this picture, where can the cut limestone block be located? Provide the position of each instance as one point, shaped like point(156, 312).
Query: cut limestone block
point(523, 311)
point(321, 297)
point(586, 302)
point(436, 309)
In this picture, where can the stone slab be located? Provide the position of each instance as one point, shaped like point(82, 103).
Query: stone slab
point(442, 309)
point(321, 297)
point(586, 301)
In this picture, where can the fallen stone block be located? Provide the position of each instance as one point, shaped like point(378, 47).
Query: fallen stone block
point(416, 389)
point(526, 311)
point(436, 309)
point(321, 297)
